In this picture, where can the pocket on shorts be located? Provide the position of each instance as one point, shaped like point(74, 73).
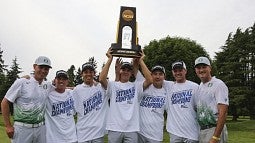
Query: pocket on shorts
point(17, 131)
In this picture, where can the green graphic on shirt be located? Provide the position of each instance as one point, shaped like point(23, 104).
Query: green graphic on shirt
point(205, 115)
point(32, 115)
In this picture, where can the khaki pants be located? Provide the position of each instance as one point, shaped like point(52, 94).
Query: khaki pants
point(122, 137)
point(206, 135)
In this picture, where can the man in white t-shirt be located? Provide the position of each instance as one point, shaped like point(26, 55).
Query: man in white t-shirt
point(212, 104)
point(123, 116)
point(91, 105)
point(152, 107)
point(181, 116)
point(28, 97)
point(59, 120)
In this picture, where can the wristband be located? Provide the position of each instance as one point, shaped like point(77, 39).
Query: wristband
point(215, 138)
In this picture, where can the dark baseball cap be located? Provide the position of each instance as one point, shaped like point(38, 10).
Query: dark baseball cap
point(178, 64)
point(61, 73)
point(158, 68)
point(88, 66)
point(126, 65)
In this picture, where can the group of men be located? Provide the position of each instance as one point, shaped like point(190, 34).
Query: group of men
point(130, 112)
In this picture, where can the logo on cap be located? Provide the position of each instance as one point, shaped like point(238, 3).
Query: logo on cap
point(202, 60)
point(42, 60)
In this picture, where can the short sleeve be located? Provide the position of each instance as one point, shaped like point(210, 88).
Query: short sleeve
point(221, 94)
point(14, 91)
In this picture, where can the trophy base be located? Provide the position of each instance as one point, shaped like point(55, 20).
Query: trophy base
point(128, 53)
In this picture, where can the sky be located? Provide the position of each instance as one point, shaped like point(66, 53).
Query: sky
point(69, 32)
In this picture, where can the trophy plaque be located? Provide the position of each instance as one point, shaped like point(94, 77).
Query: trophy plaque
point(126, 37)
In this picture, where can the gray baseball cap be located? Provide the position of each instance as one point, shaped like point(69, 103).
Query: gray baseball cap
point(202, 60)
point(43, 61)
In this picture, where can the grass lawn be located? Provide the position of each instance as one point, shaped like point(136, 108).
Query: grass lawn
point(241, 131)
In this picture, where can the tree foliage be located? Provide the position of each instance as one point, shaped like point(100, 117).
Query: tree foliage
point(235, 66)
point(7, 78)
point(71, 76)
point(2, 65)
point(78, 78)
point(168, 50)
point(12, 74)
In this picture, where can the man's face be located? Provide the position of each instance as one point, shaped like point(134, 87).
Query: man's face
point(88, 76)
point(179, 74)
point(61, 83)
point(203, 72)
point(41, 72)
point(158, 78)
point(125, 74)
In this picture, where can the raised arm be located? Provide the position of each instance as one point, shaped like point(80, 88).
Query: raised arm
point(146, 72)
point(105, 70)
point(135, 63)
point(117, 69)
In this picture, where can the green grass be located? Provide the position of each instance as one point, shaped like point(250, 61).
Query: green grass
point(241, 131)
point(3, 137)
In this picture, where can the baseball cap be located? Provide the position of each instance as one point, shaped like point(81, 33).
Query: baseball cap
point(61, 73)
point(179, 64)
point(126, 65)
point(202, 60)
point(158, 68)
point(88, 66)
point(43, 61)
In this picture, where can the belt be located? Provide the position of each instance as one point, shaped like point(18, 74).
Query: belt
point(207, 126)
point(29, 125)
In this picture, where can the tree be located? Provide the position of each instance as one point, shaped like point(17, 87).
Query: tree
point(12, 74)
point(2, 65)
point(168, 50)
point(71, 76)
point(78, 78)
point(235, 66)
point(2, 76)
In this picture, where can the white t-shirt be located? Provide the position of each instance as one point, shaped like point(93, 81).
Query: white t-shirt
point(91, 106)
point(124, 107)
point(28, 98)
point(209, 95)
point(59, 120)
point(181, 115)
point(152, 106)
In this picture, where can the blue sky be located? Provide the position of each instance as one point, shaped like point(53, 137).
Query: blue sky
point(71, 31)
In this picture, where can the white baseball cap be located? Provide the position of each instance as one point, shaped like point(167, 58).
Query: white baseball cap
point(202, 60)
point(43, 61)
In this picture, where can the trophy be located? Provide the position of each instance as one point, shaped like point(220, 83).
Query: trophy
point(126, 37)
